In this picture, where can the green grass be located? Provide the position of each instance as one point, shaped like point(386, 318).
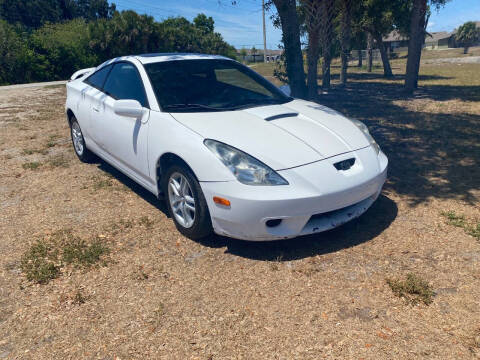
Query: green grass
point(459, 220)
point(413, 289)
point(45, 258)
point(39, 263)
point(34, 165)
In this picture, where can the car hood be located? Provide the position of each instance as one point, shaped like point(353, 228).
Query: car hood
point(281, 136)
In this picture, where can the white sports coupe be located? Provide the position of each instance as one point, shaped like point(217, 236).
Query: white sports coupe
point(230, 152)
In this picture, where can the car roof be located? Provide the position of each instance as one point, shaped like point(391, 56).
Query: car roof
point(161, 57)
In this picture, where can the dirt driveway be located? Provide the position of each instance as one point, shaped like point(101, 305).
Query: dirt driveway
point(157, 294)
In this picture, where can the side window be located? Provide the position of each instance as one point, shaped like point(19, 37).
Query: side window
point(97, 79)
point(124, 83)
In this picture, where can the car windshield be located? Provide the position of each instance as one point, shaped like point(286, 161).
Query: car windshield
point(210, 85)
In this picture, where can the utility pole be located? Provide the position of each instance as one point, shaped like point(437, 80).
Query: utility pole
point(264, 33)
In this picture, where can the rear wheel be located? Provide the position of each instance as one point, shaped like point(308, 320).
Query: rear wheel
point(78, 142)
point(186, 203)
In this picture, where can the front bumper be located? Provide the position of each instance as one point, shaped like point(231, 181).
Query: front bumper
point(319, 198)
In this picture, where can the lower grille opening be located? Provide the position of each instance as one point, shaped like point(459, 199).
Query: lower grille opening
point(273, 222)
point(334, 212)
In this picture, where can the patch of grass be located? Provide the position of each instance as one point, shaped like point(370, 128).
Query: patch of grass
point(44, 260)
point(413, 289)
point(34, 165)
point(146, 221)
point(35, 151)
point(39, 263)
point(474, 231)
point(79, 298)
point(454, 219)
point(52, 140)
point(82, 254)
point(126, 224)
point(59, 161)
point(101, 183)
point(459, 220)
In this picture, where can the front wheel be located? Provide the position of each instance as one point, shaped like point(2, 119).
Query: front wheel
point(186, 203)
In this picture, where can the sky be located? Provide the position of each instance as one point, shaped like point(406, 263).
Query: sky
point(241, 24)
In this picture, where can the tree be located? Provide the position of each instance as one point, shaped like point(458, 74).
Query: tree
point(418, 25)
point(369, 52)
point(243, 53)
point(254, 52)
point(326, 38)
point(312, 18)
point(61, 49)
point(287, 12)
point(467, 35)
point(345, 36)
point(34, 13)
point(15, 57)
point(204, 23)
point(378, 19)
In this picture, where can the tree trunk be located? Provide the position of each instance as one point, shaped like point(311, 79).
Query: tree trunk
point(465, 49)
point(369, 52)
point(312, 13)
point(387, 69)
point(327, 13)
point(327, 60)
point(313, 54)
point(360, 59)
point(345, 38)
point(287, 12)
point(417, 38)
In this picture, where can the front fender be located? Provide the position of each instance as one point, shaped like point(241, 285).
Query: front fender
point(167, 135)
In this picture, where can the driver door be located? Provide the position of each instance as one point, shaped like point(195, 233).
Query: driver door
point(124, 139)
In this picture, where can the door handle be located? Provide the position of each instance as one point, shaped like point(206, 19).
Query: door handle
point(96, 109)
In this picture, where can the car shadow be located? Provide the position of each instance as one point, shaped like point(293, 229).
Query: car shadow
point(368, 226)
point(132, 185)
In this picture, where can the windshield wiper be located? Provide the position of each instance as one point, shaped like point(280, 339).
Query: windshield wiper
point(192, 106)
point(258, 102)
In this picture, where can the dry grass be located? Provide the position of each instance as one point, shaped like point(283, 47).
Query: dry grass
point(164, 296)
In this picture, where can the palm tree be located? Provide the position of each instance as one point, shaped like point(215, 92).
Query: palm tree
point(467, 35)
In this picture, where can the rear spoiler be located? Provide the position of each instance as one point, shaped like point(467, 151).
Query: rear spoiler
point(81, 73)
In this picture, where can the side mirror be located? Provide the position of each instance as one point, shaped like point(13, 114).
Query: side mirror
point(286, 89)
point(128, 108)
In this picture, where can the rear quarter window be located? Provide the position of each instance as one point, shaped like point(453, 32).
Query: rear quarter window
point(97, 79)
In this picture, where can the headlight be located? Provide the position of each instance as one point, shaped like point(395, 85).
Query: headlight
point(370, 139)
point(246, 168)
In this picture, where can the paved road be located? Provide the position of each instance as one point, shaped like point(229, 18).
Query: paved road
point(20, 86)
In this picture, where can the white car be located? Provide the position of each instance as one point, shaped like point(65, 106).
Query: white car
point(229, 151)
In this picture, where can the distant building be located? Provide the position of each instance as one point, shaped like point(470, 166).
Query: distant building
point(394, 41)
point(433, 41)
point(249, 56)
point(439, 40)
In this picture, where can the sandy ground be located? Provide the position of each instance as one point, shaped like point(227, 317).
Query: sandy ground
point(163, 296)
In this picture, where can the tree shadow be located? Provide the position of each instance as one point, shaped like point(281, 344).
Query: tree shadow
point(360, 230)
point(431, 154)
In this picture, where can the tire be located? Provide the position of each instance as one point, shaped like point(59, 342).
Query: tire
point(78, 142)
point(194, 227)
